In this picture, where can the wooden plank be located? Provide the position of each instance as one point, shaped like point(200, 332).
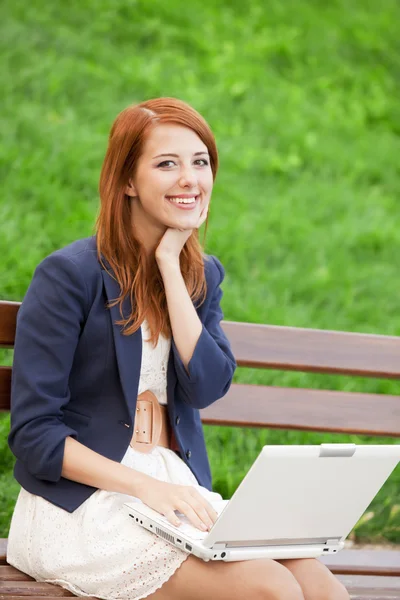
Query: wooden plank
point(347, 561)
point(313, 350)
point(31, 588)
point(364, 562)
point(3, 550)
point(8, 321)
point(287, 348)
point(8, 573)
point(248, 405)
point(5, 388)
point(364, 587)
point(359, 588)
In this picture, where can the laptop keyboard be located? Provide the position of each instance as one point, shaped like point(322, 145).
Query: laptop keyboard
point(186, 527)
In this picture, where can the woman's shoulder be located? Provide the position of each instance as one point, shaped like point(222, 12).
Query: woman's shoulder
point(82, 253)
point(214, 271)
point(79, 251)
point(75, 265)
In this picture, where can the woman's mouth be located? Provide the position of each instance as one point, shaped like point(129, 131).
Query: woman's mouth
point(188, 203)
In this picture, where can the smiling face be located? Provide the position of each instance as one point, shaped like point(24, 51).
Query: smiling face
point(173, 169)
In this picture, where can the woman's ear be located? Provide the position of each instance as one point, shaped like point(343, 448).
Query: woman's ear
point(130, 189)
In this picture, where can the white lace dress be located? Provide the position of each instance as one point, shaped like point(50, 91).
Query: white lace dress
point(97, 550)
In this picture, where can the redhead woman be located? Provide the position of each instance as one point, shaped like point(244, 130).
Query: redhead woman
point(112, 327)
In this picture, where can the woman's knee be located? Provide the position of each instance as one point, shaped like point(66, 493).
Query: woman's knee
point(335, 591)
point(274, 582)
point(316, 580)
point(258, 580)
point(279, 590)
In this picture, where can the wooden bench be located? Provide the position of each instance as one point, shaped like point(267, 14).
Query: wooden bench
point(368, 574)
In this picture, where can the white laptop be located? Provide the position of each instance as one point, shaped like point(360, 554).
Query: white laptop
point(295, 502)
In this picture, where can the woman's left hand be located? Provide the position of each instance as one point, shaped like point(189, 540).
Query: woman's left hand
point(173, 241)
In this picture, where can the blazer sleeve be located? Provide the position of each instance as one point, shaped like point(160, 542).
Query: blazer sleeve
point(212, 364)
point(49, 323)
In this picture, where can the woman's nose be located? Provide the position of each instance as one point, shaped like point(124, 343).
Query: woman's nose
point(188, 178)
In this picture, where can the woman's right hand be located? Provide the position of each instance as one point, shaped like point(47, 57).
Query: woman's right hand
point(166, 498)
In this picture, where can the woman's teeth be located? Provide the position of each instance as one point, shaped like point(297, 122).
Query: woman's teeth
point(182, 200)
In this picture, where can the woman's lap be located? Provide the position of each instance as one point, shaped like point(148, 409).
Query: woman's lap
point(97, 550)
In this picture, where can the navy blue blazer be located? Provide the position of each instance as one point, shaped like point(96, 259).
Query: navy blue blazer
point(75, 374)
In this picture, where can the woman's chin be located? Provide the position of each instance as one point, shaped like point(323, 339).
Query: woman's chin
point(185, 224)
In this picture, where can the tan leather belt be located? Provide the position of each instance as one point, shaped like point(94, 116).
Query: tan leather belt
point(152, 427)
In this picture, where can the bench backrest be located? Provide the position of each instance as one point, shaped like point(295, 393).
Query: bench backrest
point(294, 349)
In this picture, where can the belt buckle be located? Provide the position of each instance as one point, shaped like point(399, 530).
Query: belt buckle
point(148, 423)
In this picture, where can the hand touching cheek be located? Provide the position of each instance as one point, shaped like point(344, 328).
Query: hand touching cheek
point(173, 241)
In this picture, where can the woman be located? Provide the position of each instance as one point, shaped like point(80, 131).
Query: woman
point(110, 325)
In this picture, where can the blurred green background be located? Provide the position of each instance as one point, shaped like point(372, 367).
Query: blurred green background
point(304, 102)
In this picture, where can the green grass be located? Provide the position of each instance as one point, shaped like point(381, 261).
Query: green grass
point(303, 99)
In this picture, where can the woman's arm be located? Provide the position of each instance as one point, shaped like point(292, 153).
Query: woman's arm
point(49, 323)
point(83, 465)
point(86, 466)
point(185, 323)
point(203, 358)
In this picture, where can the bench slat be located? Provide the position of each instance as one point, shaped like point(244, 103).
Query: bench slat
point(247, 405)
point(5, 388)
point(287, 348)
point(359, 587)
point(363, 595)
point(8, 573)
point(364, 562)
point(32, 588)
point(313, 350)
point(8, 320)
point(365, 587)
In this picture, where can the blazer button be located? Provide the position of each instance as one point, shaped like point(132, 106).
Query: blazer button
point(188, 454)
point(178, 420)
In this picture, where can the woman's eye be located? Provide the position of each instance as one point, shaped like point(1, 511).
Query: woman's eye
point(165, 163)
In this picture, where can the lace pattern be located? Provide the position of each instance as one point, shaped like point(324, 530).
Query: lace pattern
point(153, 372)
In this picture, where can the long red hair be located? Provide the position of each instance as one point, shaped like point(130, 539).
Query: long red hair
point(139, 278)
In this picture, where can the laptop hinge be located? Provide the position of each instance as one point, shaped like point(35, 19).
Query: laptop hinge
point(336, 450)
point(332, 542)
point(283, 542)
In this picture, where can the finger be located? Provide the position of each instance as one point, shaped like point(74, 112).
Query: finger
point(205, 516)
point(204, 212)
point(187, 231)
point(208, 514)
point(202, 514)
point(172, 518)
point(212, 513)
point(205, 511)
point(203, 217)
point(210, 510)
point(193, 515)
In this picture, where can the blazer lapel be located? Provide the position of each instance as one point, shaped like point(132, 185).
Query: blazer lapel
point(128, 348)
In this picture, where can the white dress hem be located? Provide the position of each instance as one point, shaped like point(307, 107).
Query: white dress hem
point(78, 592)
